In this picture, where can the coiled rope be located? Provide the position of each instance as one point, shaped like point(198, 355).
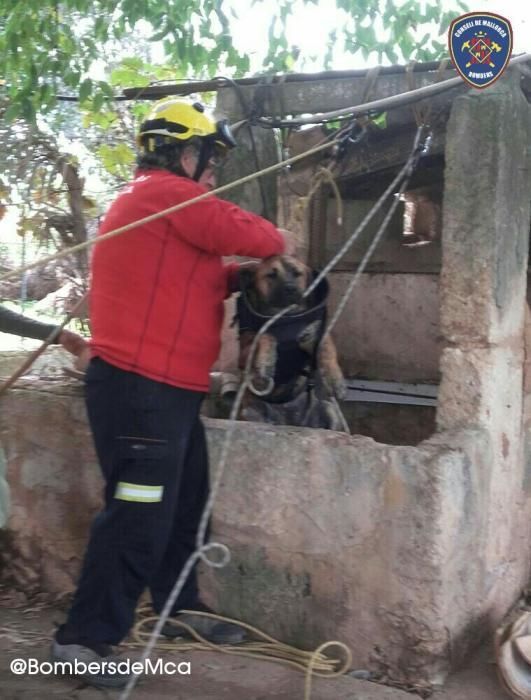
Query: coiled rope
point(263, 647)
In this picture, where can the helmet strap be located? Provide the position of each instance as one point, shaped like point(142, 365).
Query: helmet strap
point(205, 153)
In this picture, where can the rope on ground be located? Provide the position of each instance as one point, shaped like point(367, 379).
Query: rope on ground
point(201, 547)
point(316, 655)
point(264, 646)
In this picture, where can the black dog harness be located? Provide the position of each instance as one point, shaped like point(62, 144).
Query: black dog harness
point(292, 360)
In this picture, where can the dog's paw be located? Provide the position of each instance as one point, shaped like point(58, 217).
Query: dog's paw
point(339, 388)
point(336, 386)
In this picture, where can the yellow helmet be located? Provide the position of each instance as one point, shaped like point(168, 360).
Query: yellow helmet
point(173, 120)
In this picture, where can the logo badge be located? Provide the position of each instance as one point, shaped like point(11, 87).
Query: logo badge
point(480, 46)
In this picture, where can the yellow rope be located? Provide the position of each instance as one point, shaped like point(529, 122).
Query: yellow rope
point(303, 202)
point(317, 654)
point(326, 174)
point(267, 648)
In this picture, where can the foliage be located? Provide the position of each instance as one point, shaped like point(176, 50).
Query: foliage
point(108, 129)
point(43, 182)
point(47, 48)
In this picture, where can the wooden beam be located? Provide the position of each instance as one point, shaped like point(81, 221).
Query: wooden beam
point(384, 151)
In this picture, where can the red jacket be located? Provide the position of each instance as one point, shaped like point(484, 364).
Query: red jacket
point(157, 291)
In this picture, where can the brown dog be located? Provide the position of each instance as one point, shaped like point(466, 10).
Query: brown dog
point(295, 370)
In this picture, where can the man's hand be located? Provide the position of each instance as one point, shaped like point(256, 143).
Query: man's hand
point(292, 241)
point(78, 346)
point(72, 342)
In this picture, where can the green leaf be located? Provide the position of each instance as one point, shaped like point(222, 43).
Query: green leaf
point(12, 112)
point(391, 54)
point(97, 102)
point(85, 89)
point(380, 120)
point(118, 159)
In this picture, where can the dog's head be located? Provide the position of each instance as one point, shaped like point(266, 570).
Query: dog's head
point(277, 282)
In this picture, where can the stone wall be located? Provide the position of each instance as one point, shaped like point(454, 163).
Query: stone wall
point(483, 306)
point(389, 329)
point(332, 537)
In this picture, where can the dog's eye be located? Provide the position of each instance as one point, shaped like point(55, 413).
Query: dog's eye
point(272, 275)
point(296, 273)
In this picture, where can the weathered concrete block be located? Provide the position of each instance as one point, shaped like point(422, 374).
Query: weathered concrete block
point(481, 386)
point(393, 550)
point(255, 152)
point(486, 214)
point(55, 483)
point(390, 326)
point(382, 547)
point(4, 490)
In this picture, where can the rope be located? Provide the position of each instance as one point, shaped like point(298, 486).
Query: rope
point(201, 547)
point(266, 648)
point(300, 208)
point(416, 106)
point(392, 102)
point(165, 212)
point(341, 306)
point(314, 659)
point(423, 115)
point(388, 102)
point(370, 82)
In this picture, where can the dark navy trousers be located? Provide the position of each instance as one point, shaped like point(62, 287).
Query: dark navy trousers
point(152, 451)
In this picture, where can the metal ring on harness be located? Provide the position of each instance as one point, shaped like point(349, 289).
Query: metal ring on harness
point(263, 392)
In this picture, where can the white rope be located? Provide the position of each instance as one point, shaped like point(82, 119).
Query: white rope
point(201, 547)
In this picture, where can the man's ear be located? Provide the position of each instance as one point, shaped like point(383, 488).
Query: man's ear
point(188, 159)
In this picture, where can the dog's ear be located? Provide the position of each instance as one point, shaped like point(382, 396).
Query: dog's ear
point(310, 301)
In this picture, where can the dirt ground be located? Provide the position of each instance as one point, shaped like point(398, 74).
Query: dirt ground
point(25, 633)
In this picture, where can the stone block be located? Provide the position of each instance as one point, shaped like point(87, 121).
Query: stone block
point(486, 214)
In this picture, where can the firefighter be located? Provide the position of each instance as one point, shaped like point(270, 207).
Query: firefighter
point(156, 310)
